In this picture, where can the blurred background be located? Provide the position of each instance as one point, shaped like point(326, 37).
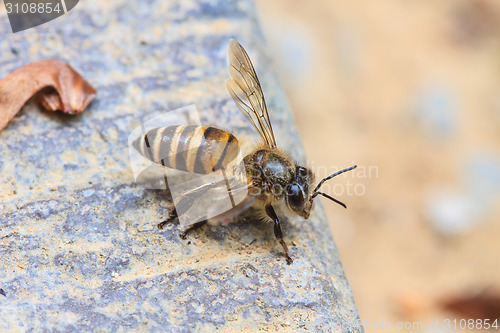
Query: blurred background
point(409, 91)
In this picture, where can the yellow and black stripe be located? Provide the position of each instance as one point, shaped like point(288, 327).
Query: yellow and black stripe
point(189, 148)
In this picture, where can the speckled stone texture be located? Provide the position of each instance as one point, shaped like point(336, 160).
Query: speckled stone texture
point(79, 247)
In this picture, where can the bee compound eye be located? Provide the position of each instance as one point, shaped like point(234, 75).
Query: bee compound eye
point(292, 190)
point(295, 196)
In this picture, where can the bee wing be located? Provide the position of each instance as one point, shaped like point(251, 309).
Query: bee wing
point(210, 195)
point(245, 89)
point(238, 209)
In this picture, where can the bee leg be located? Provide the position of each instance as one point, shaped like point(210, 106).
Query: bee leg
point(191, 228)
point(277, 232)
point(185, 203)
point(172, 215)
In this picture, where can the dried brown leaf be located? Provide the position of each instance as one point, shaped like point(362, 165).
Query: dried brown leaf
point(58, 85)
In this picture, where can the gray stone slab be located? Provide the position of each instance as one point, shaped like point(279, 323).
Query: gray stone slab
point(79, 247)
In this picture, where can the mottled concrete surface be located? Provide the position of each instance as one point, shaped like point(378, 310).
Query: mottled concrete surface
point(79, 247)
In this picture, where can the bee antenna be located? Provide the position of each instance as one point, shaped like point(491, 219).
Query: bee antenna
point(329, 197)
point(316, 192)
point(331, 176)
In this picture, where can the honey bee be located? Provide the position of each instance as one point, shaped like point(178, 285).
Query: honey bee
point(271, 175)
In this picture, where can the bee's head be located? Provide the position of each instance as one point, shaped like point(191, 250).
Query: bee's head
point(298, 196)
point(297, 193)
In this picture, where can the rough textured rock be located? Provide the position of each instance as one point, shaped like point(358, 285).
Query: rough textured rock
point(79, 247)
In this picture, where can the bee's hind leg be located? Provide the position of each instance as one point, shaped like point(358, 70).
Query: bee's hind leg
point(172, 215)
point(277, 232)
point(192, 227)
point(184, 205)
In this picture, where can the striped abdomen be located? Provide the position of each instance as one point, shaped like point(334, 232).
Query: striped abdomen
point(190, 148)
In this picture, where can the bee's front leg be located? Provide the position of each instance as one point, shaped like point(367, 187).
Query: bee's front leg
point(277, 232)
